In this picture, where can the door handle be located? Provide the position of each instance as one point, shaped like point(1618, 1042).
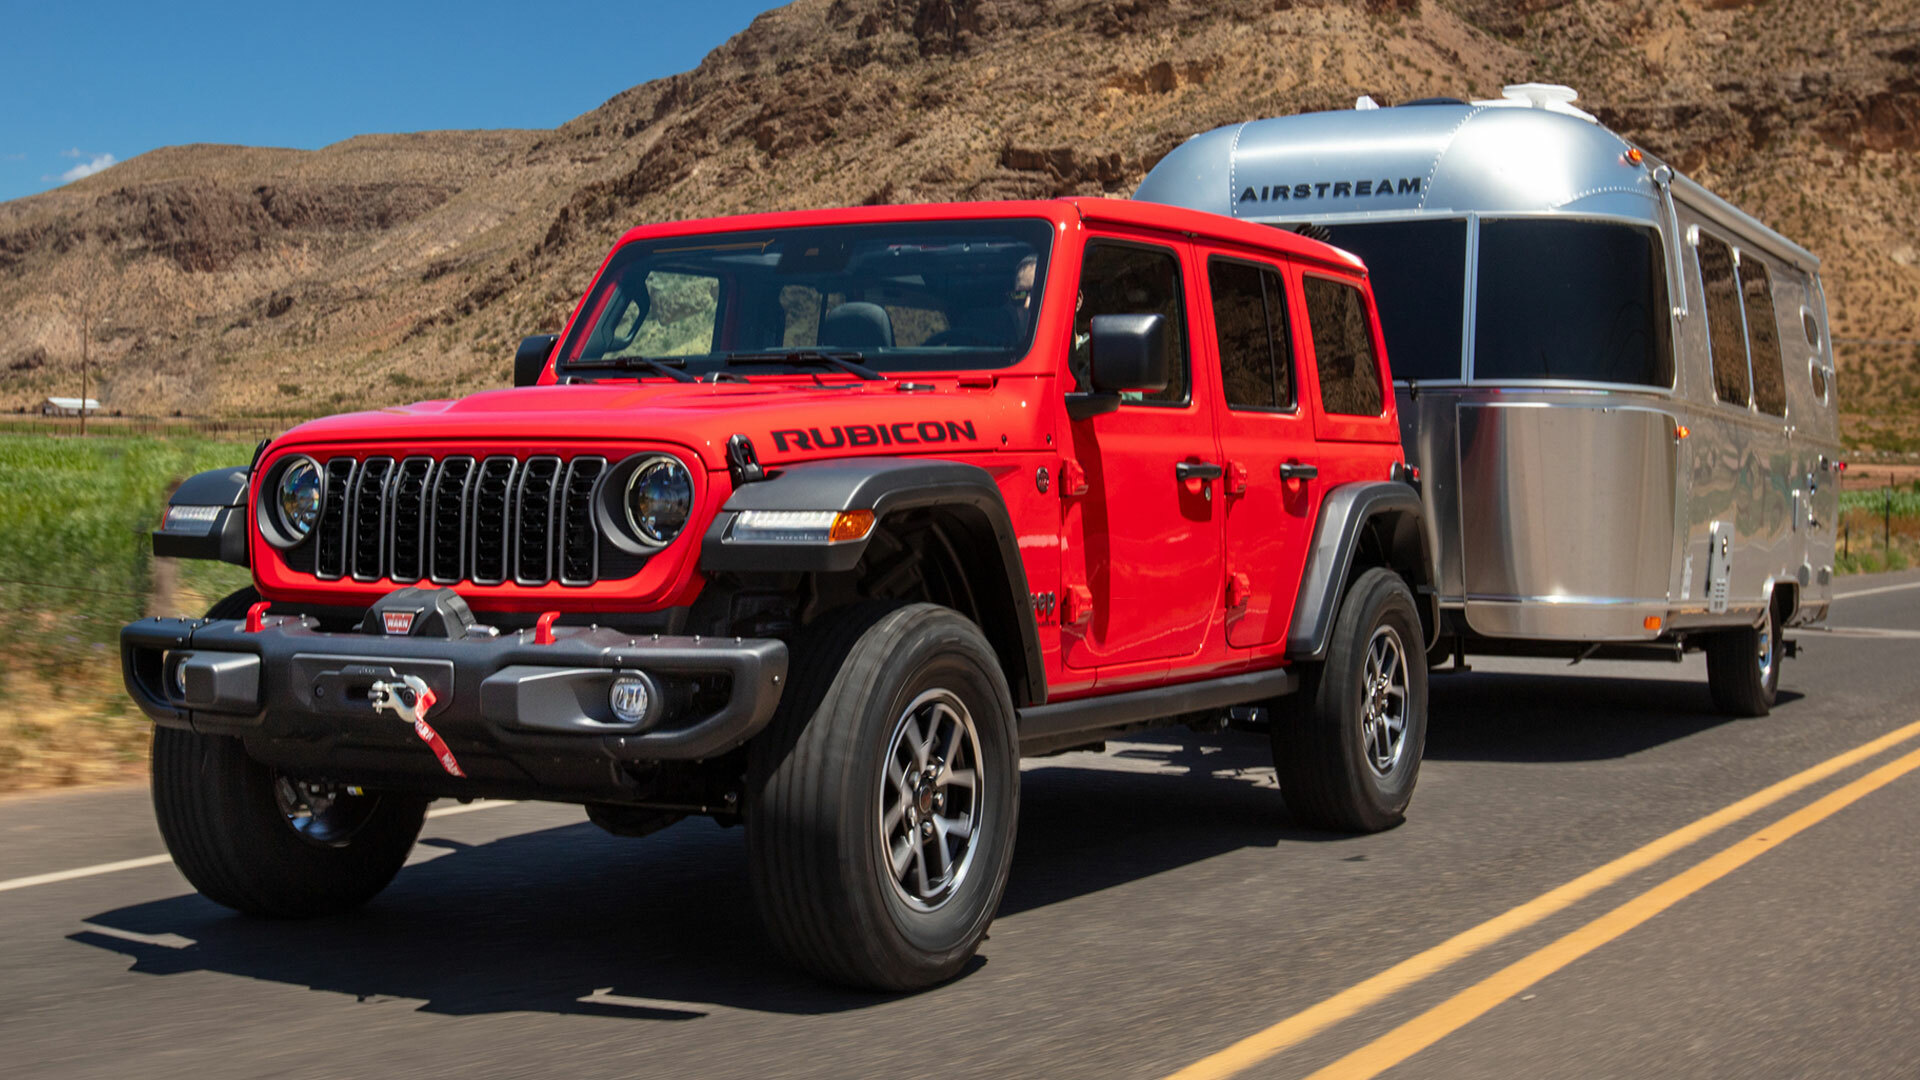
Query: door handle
point(1197, 470)
point(1294, 470)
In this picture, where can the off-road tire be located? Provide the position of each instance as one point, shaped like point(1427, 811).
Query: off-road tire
point(820, 879)
point(223, 824)
point(1734, 669)
point(1319, 752)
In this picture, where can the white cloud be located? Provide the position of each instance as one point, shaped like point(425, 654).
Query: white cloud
point(87, 168)
point(72, 152)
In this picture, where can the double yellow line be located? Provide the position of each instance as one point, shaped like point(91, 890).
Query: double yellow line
point(1457, 1011)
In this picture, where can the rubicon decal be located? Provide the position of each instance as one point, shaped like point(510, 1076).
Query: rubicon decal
point(1332, 189)
point(904, 433)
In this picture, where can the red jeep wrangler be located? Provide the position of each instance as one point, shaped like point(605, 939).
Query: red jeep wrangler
point(817, 522)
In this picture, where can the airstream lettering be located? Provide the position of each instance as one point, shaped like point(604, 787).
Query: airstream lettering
point(1618, 386)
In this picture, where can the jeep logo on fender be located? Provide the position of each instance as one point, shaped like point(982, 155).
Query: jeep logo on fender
point(905, 433)
point(1340, 189)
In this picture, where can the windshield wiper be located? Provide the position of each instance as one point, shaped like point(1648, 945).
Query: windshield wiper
point(668, 366)
point(847, 361)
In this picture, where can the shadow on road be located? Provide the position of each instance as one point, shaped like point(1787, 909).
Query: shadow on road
point(1504, 716)
point(571, 920)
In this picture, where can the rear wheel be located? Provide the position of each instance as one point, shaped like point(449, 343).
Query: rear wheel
point(1347, 751)
point(880, 824)
point(1743, 667)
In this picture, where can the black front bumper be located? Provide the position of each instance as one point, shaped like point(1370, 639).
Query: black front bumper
point(521, 710)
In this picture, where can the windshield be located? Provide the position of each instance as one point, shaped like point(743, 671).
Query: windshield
point(1419, 274)
point(894, 296)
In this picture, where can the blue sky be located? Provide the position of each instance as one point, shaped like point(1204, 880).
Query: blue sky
point(86, 84)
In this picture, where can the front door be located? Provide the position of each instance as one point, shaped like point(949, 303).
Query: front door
point(1271, 485)
point(1141, 547)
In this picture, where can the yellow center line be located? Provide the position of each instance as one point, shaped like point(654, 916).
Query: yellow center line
point(1371, 991)
point(1475, 1001)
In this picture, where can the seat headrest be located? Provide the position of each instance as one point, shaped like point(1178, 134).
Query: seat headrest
point(857, 325)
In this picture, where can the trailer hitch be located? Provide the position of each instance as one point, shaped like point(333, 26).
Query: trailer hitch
point(410, 699)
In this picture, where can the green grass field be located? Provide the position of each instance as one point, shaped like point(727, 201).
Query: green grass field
point(1878, 530)
point(76, 565)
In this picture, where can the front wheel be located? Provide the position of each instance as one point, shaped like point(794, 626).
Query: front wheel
point(1743, 667)
point(1347, 751)
point(264, 843)
point(883, 798)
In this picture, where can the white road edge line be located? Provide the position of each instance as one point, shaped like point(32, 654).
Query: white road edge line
point(1876, 591)
point(156, 860)
point(84, 871)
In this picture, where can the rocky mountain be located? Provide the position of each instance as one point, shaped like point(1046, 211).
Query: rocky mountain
point(240, 280)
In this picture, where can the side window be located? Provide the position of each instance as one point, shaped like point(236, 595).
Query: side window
point(1763, 337)
point(1723, 319)
point(1250, 324)
point(1343, 349)
point(1123, 279)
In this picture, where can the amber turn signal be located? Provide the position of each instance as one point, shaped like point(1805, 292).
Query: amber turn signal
point(850, 525)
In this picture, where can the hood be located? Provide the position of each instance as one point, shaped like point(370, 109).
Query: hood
point(787, 420)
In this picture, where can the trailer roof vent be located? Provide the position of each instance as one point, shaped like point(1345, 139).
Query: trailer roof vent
point(1549, 96)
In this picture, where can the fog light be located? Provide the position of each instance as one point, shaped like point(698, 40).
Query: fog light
point(631, 699)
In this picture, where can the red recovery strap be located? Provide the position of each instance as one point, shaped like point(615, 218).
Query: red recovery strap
point(431, 737)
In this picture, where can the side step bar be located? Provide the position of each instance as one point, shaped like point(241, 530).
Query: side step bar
point(1051, 727)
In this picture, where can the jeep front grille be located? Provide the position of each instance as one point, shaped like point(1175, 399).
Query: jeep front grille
point(489, 521)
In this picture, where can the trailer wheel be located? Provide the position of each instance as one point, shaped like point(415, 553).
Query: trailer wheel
point(1743, 667)
point(1347, 753)
point(882, 798)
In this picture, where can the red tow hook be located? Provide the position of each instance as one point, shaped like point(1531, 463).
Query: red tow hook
point(410, 699)
point(543, 628)
point(256, 620)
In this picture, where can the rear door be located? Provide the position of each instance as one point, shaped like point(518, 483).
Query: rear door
point(1141, 547)
point(1267, 442)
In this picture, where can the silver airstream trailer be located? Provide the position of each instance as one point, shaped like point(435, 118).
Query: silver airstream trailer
point(1618, 387)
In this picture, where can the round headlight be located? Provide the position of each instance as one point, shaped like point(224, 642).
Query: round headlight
point(298, 498)
point(659, 500)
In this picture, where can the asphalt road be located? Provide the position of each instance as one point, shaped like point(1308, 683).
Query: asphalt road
point(1164, 914)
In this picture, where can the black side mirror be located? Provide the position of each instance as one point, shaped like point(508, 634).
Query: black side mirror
point(531, 358)
point(1129, 352)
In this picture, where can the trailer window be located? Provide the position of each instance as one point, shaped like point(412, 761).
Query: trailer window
point(1577, 300)
point(1723, 319)
point(1419, 282)
point(1343, 349)
point(1250, 327)
point(1763, 337)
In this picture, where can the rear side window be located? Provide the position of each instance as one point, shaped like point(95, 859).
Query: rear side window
point(1125, 279)
point(1763, 337)
point(1343, 349)
point(1723, 319)
point(1250, 324)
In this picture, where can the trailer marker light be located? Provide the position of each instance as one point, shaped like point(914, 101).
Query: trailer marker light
point(1681, 431)
point(1634, 156)
point(1651, 622)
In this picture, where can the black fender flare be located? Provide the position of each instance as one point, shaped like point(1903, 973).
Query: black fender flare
point(887, 485)
point(1345, 515)
point(223, 538)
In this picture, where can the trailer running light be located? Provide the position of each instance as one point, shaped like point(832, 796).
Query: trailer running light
point(1634, 156)
point(1651, 622)
point(1681, 431)
point(802, 526)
